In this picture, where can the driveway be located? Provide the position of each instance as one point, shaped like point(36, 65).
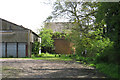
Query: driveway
point(28, 68)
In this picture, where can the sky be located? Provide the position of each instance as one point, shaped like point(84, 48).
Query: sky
point(28, 13)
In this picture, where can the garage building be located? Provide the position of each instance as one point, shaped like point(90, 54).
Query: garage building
point(16, 40)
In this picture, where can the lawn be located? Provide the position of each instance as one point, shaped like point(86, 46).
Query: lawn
point(46, 57)
point(52, 57)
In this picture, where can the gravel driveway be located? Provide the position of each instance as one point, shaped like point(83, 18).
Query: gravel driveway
point(28, 68)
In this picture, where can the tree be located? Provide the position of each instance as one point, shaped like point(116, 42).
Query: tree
point(82, 16)
point(109, 13)
point(46, 38)
point(73, 11)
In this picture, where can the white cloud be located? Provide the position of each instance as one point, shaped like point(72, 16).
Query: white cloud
point(29, 13)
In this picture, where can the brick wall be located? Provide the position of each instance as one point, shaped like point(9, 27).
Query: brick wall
point(62, 46)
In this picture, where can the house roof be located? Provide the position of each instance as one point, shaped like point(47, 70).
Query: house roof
point(59, 26)
point(20, 26)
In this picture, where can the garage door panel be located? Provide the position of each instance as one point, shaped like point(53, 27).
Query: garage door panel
point(21, 49)
point(0, 49)
point(3, 49)
point(11, 49)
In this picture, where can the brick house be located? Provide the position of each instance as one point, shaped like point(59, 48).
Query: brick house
point(16, 40)
point(62, 27)
point(61, 45)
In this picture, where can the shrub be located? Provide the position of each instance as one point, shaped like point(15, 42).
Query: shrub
point(109, 69)
point(92, 65)
point(33, 55)
point(35, 48)
point(46, 40)
point(41, 55)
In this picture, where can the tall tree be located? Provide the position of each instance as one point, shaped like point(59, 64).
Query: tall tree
point(109, 12)
point(81, 14)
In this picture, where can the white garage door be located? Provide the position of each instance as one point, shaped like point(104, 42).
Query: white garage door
point(11, 49)
point(3, 49)
point(21, 49)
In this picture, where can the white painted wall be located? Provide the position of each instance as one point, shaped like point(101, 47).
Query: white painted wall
point(39, 39)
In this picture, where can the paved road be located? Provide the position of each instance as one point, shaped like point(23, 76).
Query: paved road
point(28, 68)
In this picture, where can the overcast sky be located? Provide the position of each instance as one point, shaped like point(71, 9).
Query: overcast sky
point(28, 13)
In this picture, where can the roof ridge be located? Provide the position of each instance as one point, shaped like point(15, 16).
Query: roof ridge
point(19, 26)
point(14, 23)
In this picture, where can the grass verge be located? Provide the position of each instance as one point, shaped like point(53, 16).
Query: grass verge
point(52, 57)
point(46, 56)
point(112, 70)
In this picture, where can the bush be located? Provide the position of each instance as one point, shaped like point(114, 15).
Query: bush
point(33, 55)
point(46, 40)
point(92, 65)
point(35, 48)
point(109, 69)
point(75, 56)
point(41, 55)
point(109, 55)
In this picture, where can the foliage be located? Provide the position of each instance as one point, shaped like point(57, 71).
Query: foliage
point(98, 44)
point(111, 70)
point(35, 48)
point(96, 29)
point(93, 65)
point(72, 11)
point(80, 27)
point(81, 33)
point(46, 39)
point(40, 55)
point(109, 13)
point(47, 56)
point(81, 14)
point(59, 35)
point(94, 42)
point(37, 55)
point(33, 55)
